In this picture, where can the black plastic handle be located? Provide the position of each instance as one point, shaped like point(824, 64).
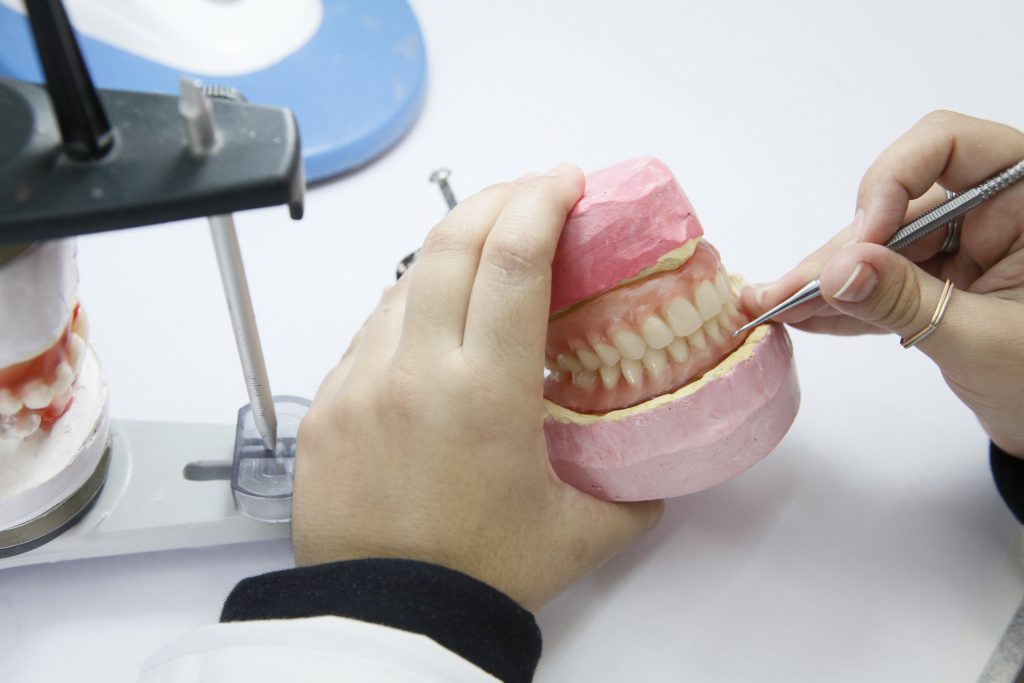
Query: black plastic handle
point(84, 126)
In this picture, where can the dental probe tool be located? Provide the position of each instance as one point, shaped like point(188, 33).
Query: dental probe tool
point(197, 111)
point(910, 233)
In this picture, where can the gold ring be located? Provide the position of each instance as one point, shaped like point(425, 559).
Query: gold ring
point(952, 242)
point(940, 310)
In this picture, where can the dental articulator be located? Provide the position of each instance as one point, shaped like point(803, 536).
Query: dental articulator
point(75, 483)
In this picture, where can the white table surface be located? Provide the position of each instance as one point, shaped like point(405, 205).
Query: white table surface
point(871, 545)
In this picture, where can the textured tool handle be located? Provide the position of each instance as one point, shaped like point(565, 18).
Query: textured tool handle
point(957, 206)
point(910, 233)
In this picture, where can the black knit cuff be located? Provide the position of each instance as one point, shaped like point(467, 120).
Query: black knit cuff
point(467, 616)
point(1008, 472)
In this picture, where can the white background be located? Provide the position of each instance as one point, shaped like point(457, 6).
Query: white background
point(871, 545)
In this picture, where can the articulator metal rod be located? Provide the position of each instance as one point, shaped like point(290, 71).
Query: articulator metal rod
point(202, 136)
point(243, 321)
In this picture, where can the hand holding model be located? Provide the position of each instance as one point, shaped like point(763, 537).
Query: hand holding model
point(425, 449)
point(868, 288)
point(426, 441)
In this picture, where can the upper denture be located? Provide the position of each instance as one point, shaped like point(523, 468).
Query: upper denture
point(643, 339)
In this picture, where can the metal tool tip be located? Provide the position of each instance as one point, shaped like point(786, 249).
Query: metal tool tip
point(439, 175)
point(744, 328)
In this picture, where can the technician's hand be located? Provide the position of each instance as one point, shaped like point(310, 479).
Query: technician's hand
point(426, 441)
point(867, 288)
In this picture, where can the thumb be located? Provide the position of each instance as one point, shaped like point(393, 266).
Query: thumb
point(975, 344)
point(880, 287)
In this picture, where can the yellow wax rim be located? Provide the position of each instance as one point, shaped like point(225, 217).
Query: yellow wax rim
point(668, 261)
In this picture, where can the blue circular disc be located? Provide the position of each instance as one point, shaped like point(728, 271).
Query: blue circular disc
point(355, 87)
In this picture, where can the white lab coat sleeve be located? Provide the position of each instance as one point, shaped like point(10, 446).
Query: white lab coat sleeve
point(322, 649)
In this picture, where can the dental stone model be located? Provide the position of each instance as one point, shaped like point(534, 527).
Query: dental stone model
point(649, 395)
point(53, 397)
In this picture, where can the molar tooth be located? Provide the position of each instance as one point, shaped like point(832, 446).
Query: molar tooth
point(697, 341)
point(26, 425)
point(632, 370)
point(678, 350)
point(551, 364)
point(76, 352)
point(60, 401)
point(656, 361)
point(608, 354)
point(683, 317)
point(707, 299)
point(610, 376)
point(730, 307)
point(9, 403)
point(725, 322)
point(80, 325)
point(713, 330)
point(723, 287)
point(36, 395)
point(584, 378)
point(656, 333)
point(569, 362)
point(14, 429)
point(65, 376)
point(589, 359)
point(630, 344)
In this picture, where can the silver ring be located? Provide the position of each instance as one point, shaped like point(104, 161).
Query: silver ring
point(952, 242)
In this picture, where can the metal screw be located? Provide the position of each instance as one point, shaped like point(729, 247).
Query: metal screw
point(440, 176)
point(405, 264)
point(197, 112)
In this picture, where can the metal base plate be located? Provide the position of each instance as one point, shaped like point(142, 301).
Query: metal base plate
point(45, 528)
point(147, 503)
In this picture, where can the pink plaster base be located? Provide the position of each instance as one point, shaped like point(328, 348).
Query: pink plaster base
point(631, 215)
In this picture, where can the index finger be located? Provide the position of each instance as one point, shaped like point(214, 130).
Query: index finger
point(758, 300)
point(508, 307)
point(954, 150)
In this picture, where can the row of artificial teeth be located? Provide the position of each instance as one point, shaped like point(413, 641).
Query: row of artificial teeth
point(627, 352)
point(38, 395)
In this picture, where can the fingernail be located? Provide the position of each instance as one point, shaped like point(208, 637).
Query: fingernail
point(859, 285)
point(561, 169)
point(527, 176)
point(856, 227)
point(759, 292)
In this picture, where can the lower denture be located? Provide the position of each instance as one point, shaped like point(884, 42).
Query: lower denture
point(34, 394)
point(644, 339)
